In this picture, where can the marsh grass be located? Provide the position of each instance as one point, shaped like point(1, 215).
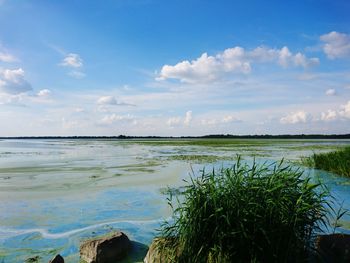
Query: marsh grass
point(196, 158)
point(336, 162)
point(245, 214)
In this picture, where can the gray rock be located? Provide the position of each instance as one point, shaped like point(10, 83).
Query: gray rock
point(105, 249)
point(333, 248)
point(57, 259)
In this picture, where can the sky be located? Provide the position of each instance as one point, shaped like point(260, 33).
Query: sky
point(174, 68)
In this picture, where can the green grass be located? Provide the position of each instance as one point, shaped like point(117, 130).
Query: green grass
point(245, 214)
point(337, 162)
point(199, 158)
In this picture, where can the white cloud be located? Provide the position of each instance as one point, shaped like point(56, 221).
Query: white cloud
point(188, 118)
point(6, 57)
point(107, 100)
point(178, 121)
point(205, 68)
point(295, 117)
point(111, 100)
point(44, 93)
point(113, 118)
point(331, 92)
point(336, 45)
point(227, 119)
point(345, 110)
point(209, 122)
point(12, 99)
point(79, 110)
point(232, 60)
point(77, 74)
point(72, 60)
point(13, 82)
point(330, 115)
point(302, 61)
point(283, 57)
point(174, 121)
point(342, 113)
point(230, 118)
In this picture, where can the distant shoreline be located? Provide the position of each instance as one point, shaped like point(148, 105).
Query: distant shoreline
point(213, 136)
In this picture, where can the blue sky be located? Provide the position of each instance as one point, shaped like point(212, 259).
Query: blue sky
point(147, 67)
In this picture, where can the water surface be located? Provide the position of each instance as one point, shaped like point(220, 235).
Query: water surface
point(55, 193)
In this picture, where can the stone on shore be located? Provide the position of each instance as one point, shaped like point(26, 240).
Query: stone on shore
point(333, 247)
point(57, 259)
point(111, 248)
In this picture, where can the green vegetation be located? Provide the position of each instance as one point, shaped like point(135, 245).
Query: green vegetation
point(246, 214)
point(200, 158)
point(336, 162)
point(33, 259)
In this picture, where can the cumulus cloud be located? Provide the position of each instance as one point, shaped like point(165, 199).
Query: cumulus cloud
point(345, 110)
point(342, 113)
point(178, 121)
point(208, 68)
point(295, 117)
point(331, 92)
point(72, 60)
point(13, 81)
point(44, 93)
point(336, 45)
point(330, 115)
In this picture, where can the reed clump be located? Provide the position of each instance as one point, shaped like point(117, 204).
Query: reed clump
point(257, 213)
point(337, 162)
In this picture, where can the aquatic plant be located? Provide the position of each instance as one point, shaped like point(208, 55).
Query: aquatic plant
point(336, 161)
point(257, 213)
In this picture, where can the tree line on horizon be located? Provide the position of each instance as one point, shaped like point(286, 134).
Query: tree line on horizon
point(211, 136)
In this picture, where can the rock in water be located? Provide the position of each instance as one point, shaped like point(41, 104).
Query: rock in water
point(106, 249)
point(57, 259)
point(334, 247)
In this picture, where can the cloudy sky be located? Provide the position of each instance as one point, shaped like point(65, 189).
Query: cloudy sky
point(149, 67)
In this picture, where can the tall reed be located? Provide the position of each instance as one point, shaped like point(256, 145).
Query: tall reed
point(336, 162)
point(255, 213)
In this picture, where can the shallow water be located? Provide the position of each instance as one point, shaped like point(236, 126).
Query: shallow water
point(55, 193)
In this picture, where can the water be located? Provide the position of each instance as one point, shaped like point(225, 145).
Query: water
point(55, 193)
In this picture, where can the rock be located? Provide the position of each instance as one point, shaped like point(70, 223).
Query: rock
point(334, 247)
point(106, 249)
point(155, 255)
point(57, 259)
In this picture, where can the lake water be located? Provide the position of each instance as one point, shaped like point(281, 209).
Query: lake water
point(55, 193)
